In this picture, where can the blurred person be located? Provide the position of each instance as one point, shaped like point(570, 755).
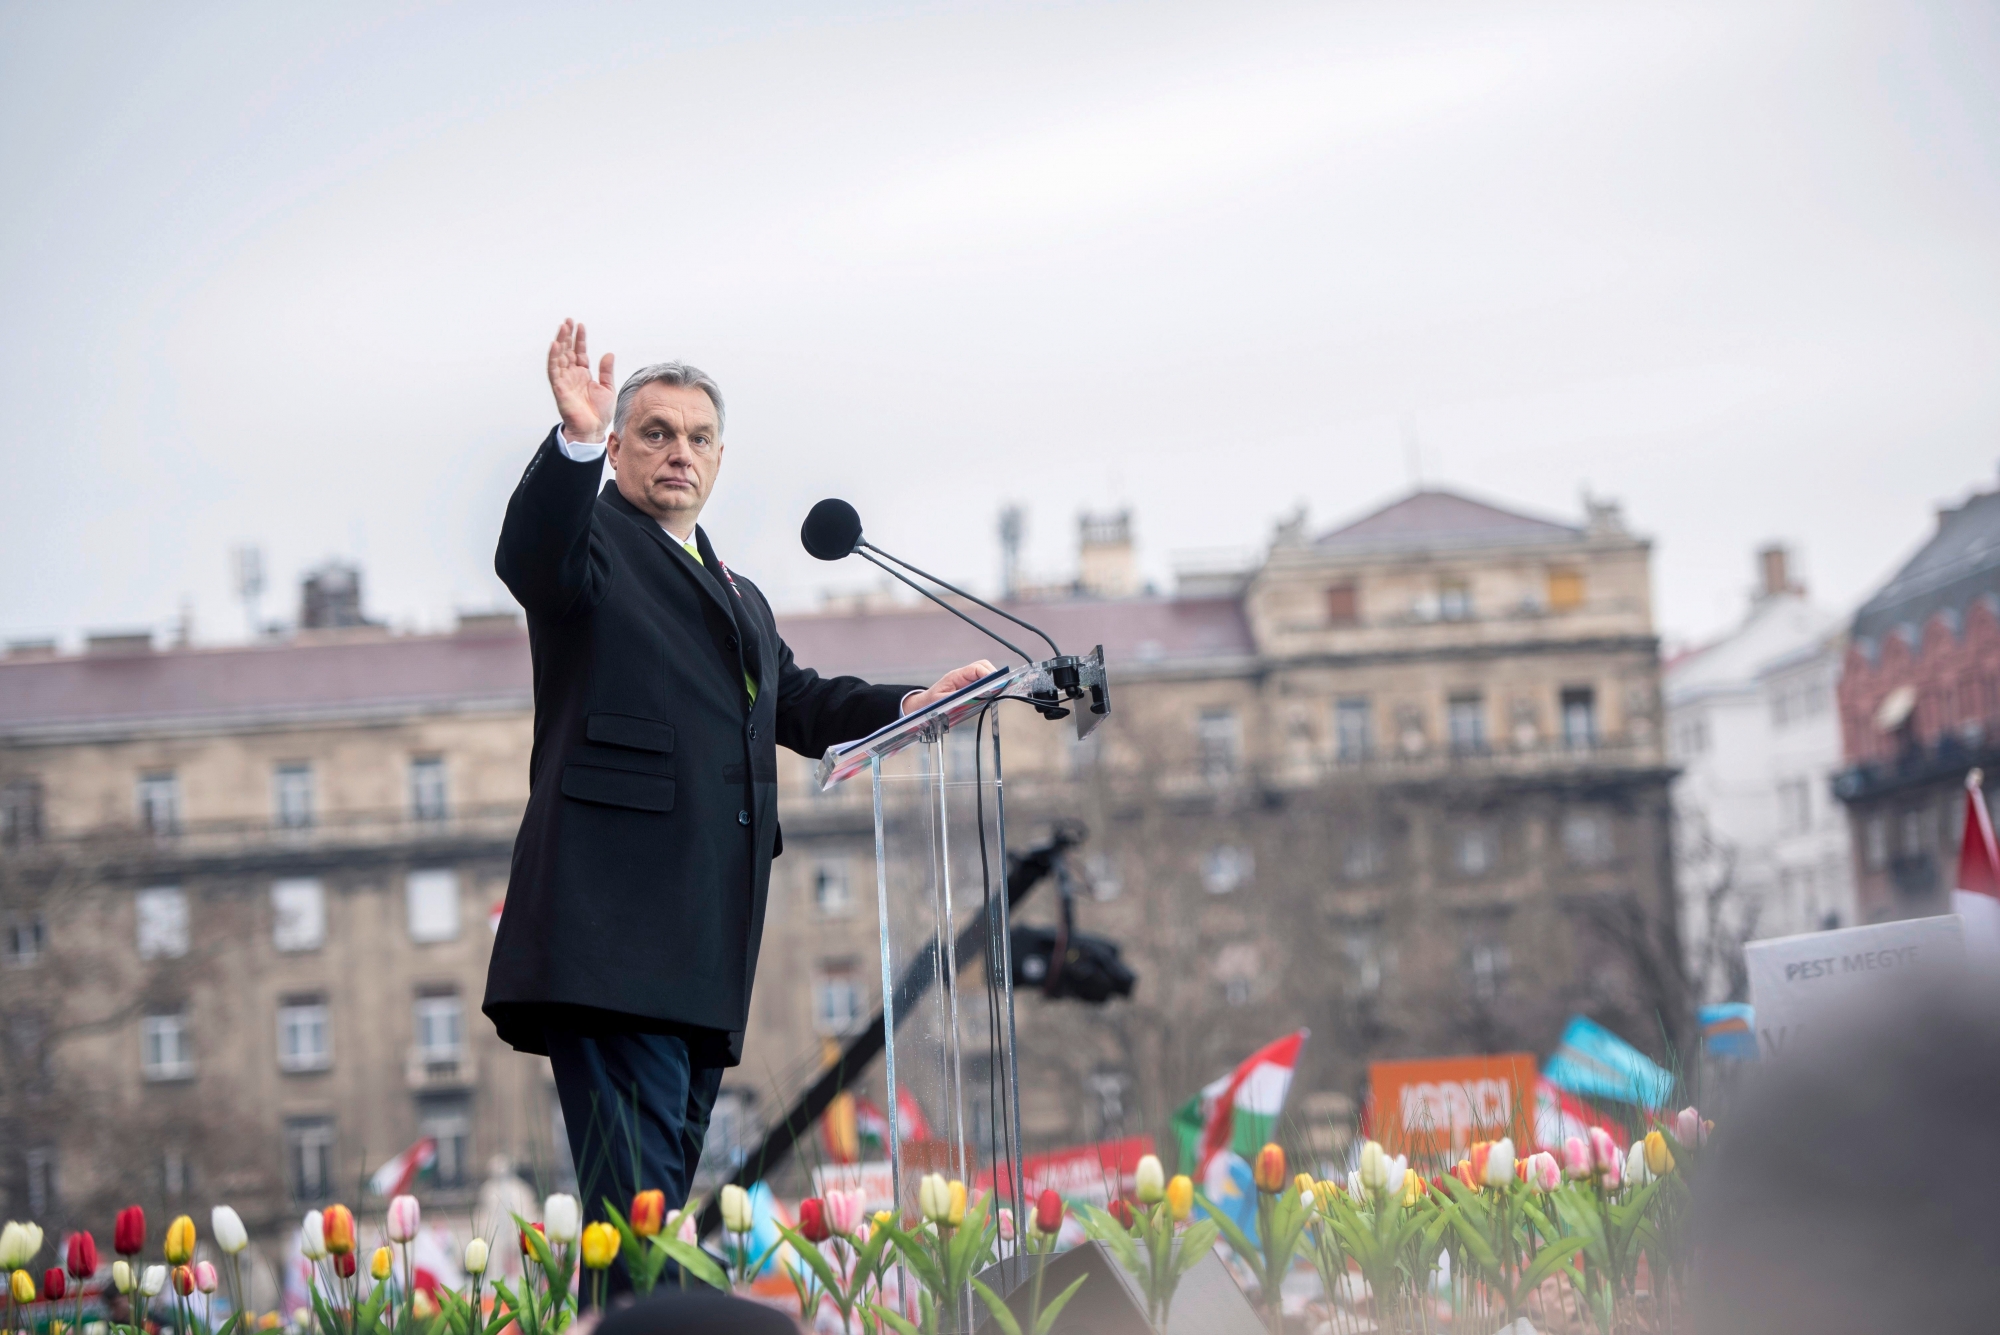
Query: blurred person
point(695, 1312)
point(635, 904)
point(1854, 1187)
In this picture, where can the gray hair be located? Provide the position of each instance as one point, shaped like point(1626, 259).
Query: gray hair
point(665, 373)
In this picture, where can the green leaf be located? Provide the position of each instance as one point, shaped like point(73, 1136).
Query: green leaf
point(1197, 1242)
point(1238, 1241)
point(809, 1253)
point(1001, 1316)
point(899, 1324)
point(1056, 1305)
point(917, 1258)
point(1547, 1260)
point(1117, 1239)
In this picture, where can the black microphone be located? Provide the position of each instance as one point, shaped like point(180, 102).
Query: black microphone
point(833, 530)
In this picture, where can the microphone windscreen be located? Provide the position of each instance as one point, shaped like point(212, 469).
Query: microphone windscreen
point(831, 530)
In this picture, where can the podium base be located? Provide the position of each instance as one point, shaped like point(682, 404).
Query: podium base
point(1111, 1301)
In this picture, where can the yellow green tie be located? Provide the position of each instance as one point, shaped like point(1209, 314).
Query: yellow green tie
point(748, 684)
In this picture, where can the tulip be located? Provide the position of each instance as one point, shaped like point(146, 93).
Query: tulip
point(1048, 1212)
point(1006, 1224)
point(1659, 1159)
point(812, 1220)
point(1180, 1196)
point(80, 1256)
point(404, 1217)
point(564, 1219)
point(128, 1234)
point(475, 1257)
point(1374, 1166)
point(957, 1203)
point(1269, 1170)
point(1121, 1210)
point(344, 1265)
point(1355, 1188)
point(934, 1198)
point(380, 1264)
point(152, 1281)
point(1576, 1158)
point(686, 1231)
point(1613, 1172)
point(179, 1245)
point(1413, 1188)
point(1637, 1174)
point(843, 1211)
point(227, 1226)
point(1397, 1172)
point(22, 1286)
point(121, 1275)
point(1304, 1182)
point(338, 1222)
point(301, 1318)
point(649, 1211)
point(312, 1236)
point(183, 1278)
point(527, 1246)
point(421, 1306)
point(55, 1283)
point(1462, 1170)
point(1687, 1126)
point(1548, 1173)
point(18, 1245)
point(204, 1276)
point(1499, 1163)
point(1149, 1181)
point(1603, 1150)
point(600, 1246)
point(736, 1216)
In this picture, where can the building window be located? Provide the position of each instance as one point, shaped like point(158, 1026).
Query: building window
point(1454, 600)
point(427, 794)
point(1690, 736)
point(163, 922)
point(305, 1034)
point(309, 1158)
point(1218, 736)
point(433, 905)
point(1361, 856)
point(1226, 867)
point(20, 812)
point(1466, 716)
point(440, 1026)
point(166, 1047)
point(298, 914)
point(1794, 806)
point(1343, 604)
point(175, 1179)
point(1410, 730)
point(1919, 832)
point(26, 939)
point(1579, 717)
point(1353, 729)
point(449, 1123)
point(292, 796)
point(1875, 842)
point(836, 997)
point(1565, 590)
point(1236, 968)
point(1475, 850)
point(1586, 838)
point(830, 895)
point(1364, 963)
point(41, 1175)
point(160, 802)
point(1488, 962)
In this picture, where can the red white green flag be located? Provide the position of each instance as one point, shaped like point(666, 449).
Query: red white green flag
point(1238, 1112)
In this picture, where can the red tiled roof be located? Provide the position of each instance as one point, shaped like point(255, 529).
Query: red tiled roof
point(345, 677)
point(1429, 519)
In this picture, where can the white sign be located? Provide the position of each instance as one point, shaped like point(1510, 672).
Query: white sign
point(1796, 980)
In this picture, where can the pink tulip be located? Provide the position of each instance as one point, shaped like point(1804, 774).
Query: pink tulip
point(686, 1232)
point(204, 1276)
point(1688, 1128)
point(1576, 1157)
point(843, 1211)
point(1604, 1153)
point(404, 1216)
point(1544, 1174)
point(1006, 1224)
point(1614, 1171)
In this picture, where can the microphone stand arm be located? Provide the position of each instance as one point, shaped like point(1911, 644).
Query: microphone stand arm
point(864, 547)
point(866, 553)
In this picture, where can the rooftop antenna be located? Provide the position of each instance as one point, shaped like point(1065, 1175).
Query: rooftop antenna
point(1013, 524)
point(246, 564)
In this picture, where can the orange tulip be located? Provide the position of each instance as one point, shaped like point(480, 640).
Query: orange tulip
point(1464, 1172)
point(337, 1222)
point(1270, 1170)
point(649, 1213)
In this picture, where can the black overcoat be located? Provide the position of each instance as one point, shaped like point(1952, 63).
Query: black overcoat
point(644, 858)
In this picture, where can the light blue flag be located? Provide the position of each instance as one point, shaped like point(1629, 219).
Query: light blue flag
point(1596, 1063)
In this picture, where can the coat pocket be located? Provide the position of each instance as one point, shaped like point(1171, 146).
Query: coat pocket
point(641, 734)
point(618, 787)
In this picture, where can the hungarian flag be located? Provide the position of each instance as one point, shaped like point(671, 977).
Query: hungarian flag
point(394, 1177)
point(1976, 898)
point(1238, 1112)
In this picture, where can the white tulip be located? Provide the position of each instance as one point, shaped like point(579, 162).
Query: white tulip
point(1354, 1187)
point(1636, 1172)
point(153, 1280)
point(1500, 1163)
point(312, 1236)
point(18, 1245)
point(1398, 1169)
point(1374, 1166)
point(1149, 1181)
point(561, 1218)
point(230, 1234)
point(121, 1275)
point(475, 1257)
point(736, 1215)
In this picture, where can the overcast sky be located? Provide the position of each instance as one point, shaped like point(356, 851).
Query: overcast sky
point(287, 275)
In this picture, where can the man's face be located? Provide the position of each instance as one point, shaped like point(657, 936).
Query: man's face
point(667, 456)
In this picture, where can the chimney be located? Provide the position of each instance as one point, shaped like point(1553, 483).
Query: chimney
point(1774, 567)
point(330, 598)
point(117, 643)
point(1106, 567)
point(1013, 526)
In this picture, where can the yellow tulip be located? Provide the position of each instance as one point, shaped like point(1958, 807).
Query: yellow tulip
point(380, 1263)
point(957, 1203)
point(1413, 1189)
point(1180, 1196)
point(23, 1286)
point(1659, 1159)
point(600, 1245)
point(180, 1241)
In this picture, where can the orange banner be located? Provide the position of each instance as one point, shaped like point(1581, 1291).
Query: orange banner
point(1438, 1106)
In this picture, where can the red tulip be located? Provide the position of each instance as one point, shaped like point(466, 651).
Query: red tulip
point(1049, 1211)
point(128, 1235)
point(54, 1284)
point(344, 1265)
point(649, 1212)
point(81, 1258)
point(1121, 1210)
point(812, 1220)
point(526, 1249)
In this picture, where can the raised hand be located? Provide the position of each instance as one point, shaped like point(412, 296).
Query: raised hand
point(585, 401)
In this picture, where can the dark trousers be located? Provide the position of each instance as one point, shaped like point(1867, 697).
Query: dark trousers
point(636, 1107)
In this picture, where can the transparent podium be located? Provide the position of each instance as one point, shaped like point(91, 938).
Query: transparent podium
point(942, 909)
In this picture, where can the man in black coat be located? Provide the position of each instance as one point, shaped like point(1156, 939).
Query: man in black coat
point(635, 905)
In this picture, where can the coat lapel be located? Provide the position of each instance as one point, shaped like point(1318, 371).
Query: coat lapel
point(676, 553)
point(746, 624)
